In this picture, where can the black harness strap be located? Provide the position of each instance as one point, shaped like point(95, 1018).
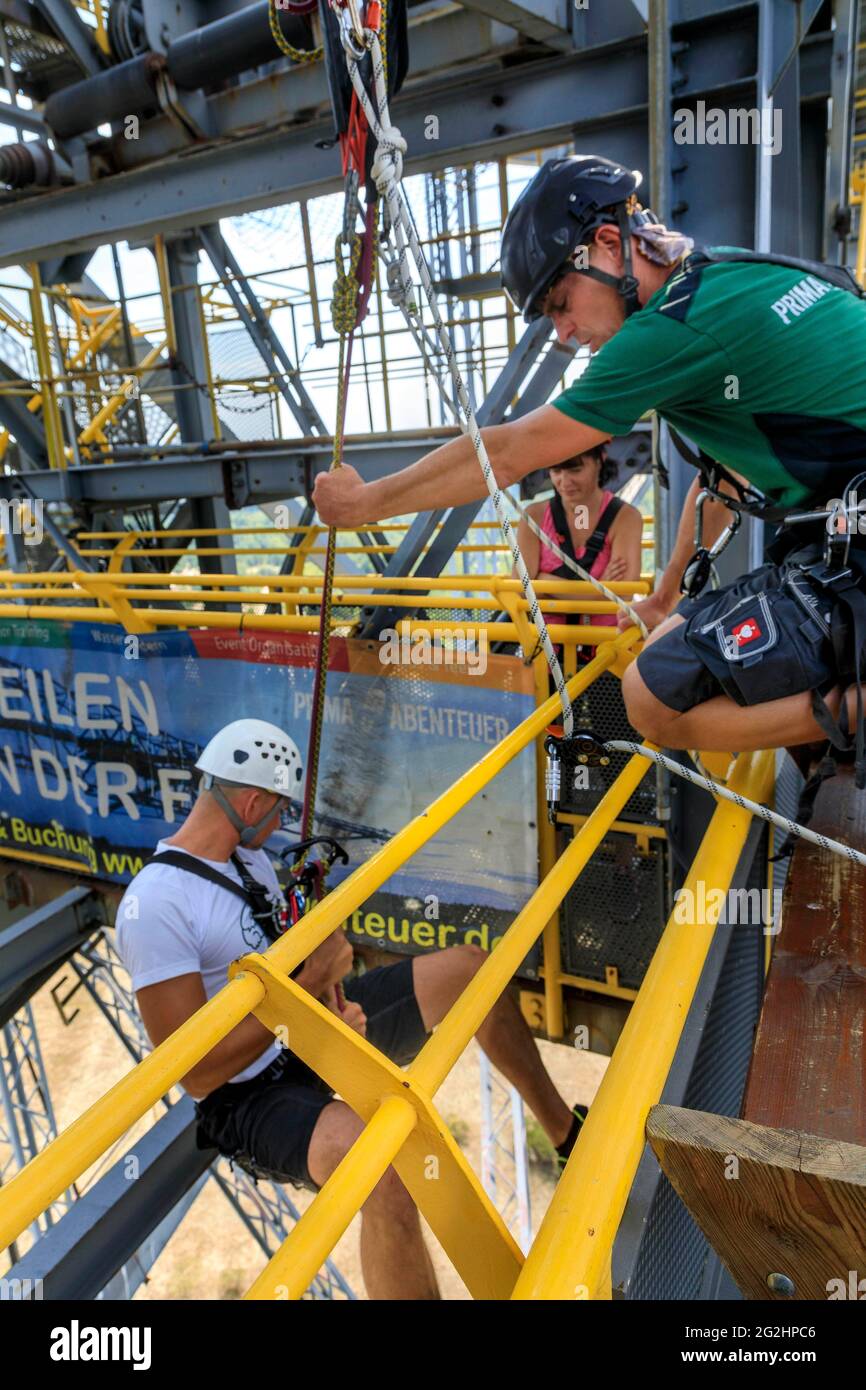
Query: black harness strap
point(849, 647)
point(594, 545)
point(254, 893)
point(837, 275)
point(745, 499)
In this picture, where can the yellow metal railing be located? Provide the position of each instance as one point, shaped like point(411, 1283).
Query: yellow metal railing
point(572, 1253)
point(62, 597)
point(571, 1256)
point(858, 200)
point(120, 546)
point(465, 1222)
point(69, 596)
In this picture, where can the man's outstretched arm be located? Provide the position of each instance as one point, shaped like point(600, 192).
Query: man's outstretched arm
point(451, 474)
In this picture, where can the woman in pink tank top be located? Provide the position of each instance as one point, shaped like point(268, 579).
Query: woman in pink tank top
point(579, 485)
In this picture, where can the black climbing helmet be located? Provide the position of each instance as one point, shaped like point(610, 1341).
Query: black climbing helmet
point(566, 202)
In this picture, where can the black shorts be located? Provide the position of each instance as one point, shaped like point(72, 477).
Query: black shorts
point(268, 1121)
point(761, 638)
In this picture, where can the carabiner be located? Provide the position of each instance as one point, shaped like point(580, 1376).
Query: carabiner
point(352, 33)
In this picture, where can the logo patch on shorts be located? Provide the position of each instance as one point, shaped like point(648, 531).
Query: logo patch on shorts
point(746, 631)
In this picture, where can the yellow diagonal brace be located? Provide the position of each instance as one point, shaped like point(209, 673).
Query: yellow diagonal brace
point(430, 1164)
point(571, 1253)
point(289, 1274)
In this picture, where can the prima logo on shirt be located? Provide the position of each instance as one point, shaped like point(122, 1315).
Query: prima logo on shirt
point(77, 1343)
point(805, 293)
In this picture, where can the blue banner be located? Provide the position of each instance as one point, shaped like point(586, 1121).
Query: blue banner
point(100, 731)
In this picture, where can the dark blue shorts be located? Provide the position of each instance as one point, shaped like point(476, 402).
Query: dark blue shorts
point(266, 1124)
point(763, 637)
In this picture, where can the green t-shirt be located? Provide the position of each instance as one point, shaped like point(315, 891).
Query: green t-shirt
point(762, 366)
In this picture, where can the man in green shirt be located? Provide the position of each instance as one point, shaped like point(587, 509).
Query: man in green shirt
point(762, 365)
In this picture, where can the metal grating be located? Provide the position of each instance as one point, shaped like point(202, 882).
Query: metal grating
point(601, 709)
point(674, 1255)
point(616, 911)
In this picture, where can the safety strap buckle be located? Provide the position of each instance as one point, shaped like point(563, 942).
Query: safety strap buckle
point(827, 574)
point(838, 543)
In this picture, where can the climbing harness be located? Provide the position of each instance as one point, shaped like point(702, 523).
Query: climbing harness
point(839, 579)
point(588, 750)
point(303, 879)
point(267, 912)
point(742, 498)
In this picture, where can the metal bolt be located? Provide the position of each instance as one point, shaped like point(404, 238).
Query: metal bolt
point(780, 1283)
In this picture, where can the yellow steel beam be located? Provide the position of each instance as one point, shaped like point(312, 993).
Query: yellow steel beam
point(72, 1152)
point(182, 592)
point(572, 1249)
point(103, 417)
point(439, 1054)
point(49, 860)
point(459, 1212)
point(275, 622)
point(289, 1273)
point(563, 587)
point(554, 1011)
point(48, 395)
point(463, 1218)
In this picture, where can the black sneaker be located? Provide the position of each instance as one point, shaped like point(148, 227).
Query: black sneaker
point(563, 1150)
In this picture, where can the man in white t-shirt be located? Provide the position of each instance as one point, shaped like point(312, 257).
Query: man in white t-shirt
point(210, 896)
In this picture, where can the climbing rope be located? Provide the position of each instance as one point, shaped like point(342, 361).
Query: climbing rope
point(387, 172)
point(347, 305)
point(799, 832)
point(297, 55)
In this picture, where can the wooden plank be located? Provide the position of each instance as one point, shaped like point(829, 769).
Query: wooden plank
point(809, 1062)
point(771, 1202)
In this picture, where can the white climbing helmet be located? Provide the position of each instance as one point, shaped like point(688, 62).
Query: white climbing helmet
point(253, 753)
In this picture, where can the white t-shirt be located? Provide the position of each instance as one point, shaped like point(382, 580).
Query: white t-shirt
point(171, 922)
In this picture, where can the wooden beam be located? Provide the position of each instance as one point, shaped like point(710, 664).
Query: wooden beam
point(784, 1210)
point(809, 1063)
